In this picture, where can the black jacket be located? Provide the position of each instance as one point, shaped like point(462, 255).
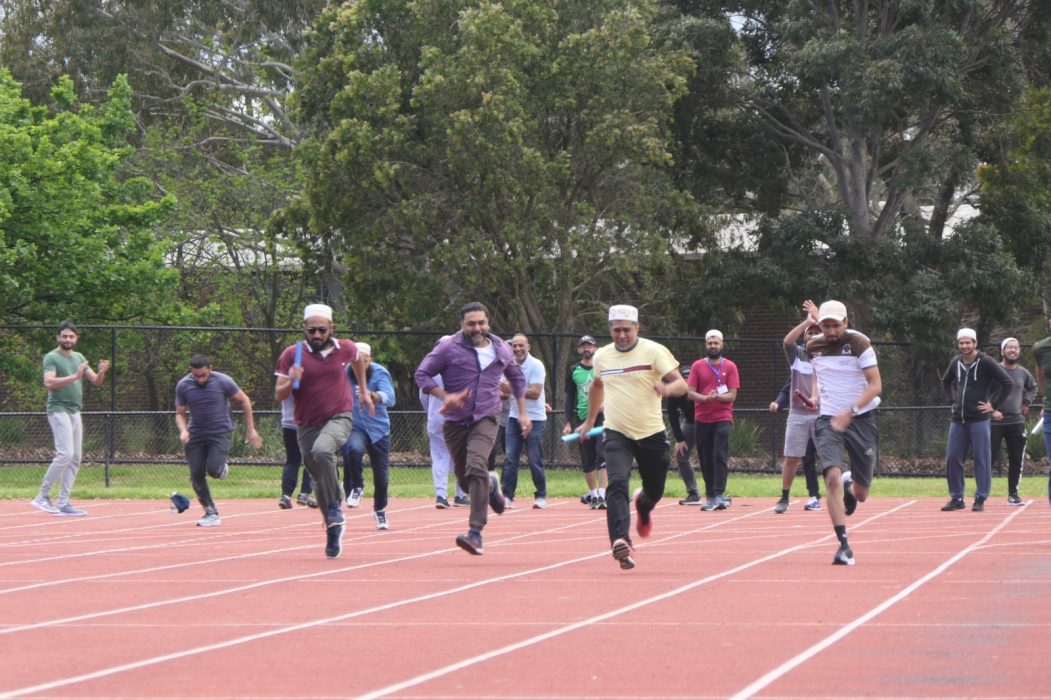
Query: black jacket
point(984, 380)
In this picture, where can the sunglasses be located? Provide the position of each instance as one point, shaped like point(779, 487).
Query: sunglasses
point(317, 330)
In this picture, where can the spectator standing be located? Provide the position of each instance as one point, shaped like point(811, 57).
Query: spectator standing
point(535, 376)
point(849, 384)
point(802, 414)
point(371, 434)
point(208, 432)
point(977, 382)
point(713, 383)
point(1008, 417)
point(577, 388)
point(472, 364)
point(293, 461)
point(681, 411)
point(1042, 353)
point(809, 461)
point(324, 409)
point(632, 376)
point(64, 368)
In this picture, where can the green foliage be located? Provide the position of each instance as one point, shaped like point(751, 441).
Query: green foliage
point(75, 235)
point(744, 438)
point(513, 152)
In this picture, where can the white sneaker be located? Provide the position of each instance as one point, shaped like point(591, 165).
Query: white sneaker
point(209, 520)
point(381, 520)
point(813, 504)
point(354, 499)
point(539, 503)
point(43, 503)
point(68, 510)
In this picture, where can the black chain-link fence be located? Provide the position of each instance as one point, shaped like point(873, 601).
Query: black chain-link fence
point(130, 419)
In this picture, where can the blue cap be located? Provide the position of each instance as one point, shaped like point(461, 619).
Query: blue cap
point(179, 502)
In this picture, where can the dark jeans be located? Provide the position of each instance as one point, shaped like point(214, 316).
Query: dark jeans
point(592, 457)
point(1014, 435)
point(206, 455)
point(293, 460)
point(469, 445)
point(813, 487)
point(354, 467)
point(534, 445)
point(498, 446)
point(652, 455)
point(713, 448)
point(689, 479)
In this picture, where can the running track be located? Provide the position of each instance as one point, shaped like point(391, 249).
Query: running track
point(133, 601)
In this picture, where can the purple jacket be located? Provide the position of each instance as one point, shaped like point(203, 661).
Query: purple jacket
point(457, 361)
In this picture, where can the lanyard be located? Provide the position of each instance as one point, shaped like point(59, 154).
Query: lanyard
point(717, 372)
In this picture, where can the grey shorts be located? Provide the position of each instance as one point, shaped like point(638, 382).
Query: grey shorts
point(859, 439)
point(799, 430)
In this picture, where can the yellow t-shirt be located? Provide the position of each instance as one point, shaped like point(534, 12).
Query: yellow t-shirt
point(630, 404)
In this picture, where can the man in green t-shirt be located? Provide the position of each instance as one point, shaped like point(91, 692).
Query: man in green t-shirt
point(1042, 353)
point(64, 367)
point(592, 458)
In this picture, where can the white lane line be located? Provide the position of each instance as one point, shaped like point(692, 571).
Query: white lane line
point(807, 654)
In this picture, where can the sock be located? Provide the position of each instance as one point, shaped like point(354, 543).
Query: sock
point(602, 493)
point(841, 534)
point(594, 493)
point(784, 494)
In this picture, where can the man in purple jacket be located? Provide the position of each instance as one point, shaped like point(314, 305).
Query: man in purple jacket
point(471, 363)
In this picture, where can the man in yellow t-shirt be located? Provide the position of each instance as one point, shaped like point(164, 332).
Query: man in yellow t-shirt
point(632, 375)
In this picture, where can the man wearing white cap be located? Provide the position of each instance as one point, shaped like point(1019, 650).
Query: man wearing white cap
point(1008, 416)
point(849, 384)
point(977, 384)
point(713, 385)
point(632, 375)
point(315, 375)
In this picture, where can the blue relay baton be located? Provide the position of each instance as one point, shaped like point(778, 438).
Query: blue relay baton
point(573, 437)
point(299, 361)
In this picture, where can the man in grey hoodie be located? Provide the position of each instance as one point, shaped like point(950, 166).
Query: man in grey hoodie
point(977, 382)
point(1008, 416)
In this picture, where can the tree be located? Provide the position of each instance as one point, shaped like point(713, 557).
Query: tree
point(516, 153)
point(75, 236)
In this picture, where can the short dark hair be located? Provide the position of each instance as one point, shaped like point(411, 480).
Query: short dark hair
point(199, 361)
point(473, 306)
point(68, 325)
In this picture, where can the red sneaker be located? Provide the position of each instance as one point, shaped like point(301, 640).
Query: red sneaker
point(643, 522)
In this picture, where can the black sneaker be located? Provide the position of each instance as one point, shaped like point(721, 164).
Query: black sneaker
point(441, 503)
point(954, 504)
point(285, 502)
point(622, 551)
point(710, 504)
point(782, 506)
point(496, 499)
point(844, 556)
point(471, 542)
point(1014, 500)
point(334, 540)
point(850, 502)
point(461, 501)
point(691, 499)
point(586, 499)
point(979, 505)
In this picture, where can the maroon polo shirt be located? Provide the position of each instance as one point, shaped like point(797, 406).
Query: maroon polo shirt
point(324, 389)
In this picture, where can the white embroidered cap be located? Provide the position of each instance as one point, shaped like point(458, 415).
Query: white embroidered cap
point(322, 310)
point(623, 312)
point(967, 333)
point(713, 334)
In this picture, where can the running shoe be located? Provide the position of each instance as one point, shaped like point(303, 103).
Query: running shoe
point(586, 498)
point(954, 504)
point(850, 502)
point(496, 501)
point(285, 502)
point(978, 506)
point(723, 502)
point(461, 501)
point(643, 522)
point(539, 503)
point(354, 499)
point(691, 499)
point(844, 556)
point(334, 532)
point(44, 503)
point(209, 520)
point(68, 510)
point(1014, 500)
point(441, 502)
point(599, 503)
point(471, 542)
point(813, 504)
point(622, 552)
point(380, 517)
point(307, 499)
point(710, 504)
point(782, 506)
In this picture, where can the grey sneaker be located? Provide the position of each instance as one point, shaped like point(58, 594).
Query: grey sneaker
point(67, 509)
point(285, 502)
point(224, 472)
point(844, 556)
point(209, 520)
point(710, 504)
point(782, 506)
point(692, 499)
point(461, 501)
point(307, 499)
point(354, 499)
point(622, 551)
point(381, 519)
point(43, 503)
point(723, 502)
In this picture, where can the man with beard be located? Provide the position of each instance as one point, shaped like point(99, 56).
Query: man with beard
point(977, 382)
point(713, 386)
point(535, 376)
point(472, 364)
point(578, 386)
point(207, 433)
point(632, 375)
point(802, 414)
point(64, 368)
point(1008, 416)
point(324, 409)
point(849, 385)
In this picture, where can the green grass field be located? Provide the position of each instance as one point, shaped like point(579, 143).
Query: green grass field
point(158, 481)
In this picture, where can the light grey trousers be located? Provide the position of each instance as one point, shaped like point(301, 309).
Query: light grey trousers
point(68, 433)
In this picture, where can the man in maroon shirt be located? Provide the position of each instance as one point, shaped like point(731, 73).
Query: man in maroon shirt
point(324, 408)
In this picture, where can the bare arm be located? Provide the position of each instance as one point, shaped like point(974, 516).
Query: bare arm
point(182, 424)
point(251, 436)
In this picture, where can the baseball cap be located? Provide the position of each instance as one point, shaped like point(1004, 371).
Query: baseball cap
point(586, 340)
point(831, 309)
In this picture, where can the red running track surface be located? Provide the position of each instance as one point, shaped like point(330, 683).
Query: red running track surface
point(134, 601)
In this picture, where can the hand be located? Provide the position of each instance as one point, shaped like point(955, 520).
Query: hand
point(80, 370)
point(567, 429)
point(526, 424)
point(254, 439)
point(103, 366)
point(453, 401)
point(184, 436)
point(774, 408)
point(658, 388)
point(841, 421)
point(366, 400)
point(680, 448)
point(583, 429)
point(986, 407)
point(1025, 410)
point(295, 372)
point(811, 310)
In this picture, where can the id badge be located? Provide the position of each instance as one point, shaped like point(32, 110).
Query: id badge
point(721, 389)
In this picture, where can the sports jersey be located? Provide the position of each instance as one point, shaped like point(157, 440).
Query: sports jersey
point(840, 369)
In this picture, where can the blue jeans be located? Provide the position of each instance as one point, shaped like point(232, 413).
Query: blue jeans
point(534, 445)
point(353, 467)
point(975, 437)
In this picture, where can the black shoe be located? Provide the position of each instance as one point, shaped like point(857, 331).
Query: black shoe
point(1014, 500)
point(782, 506)
point(441, 502)
point(471, 542)
point(622, 551)
point(461, 501)
point(692, 499)
point(979, 505)
point(334, 541)
point(850, 502)
point(496, 499)
point(954, 504)
point(844, 556)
